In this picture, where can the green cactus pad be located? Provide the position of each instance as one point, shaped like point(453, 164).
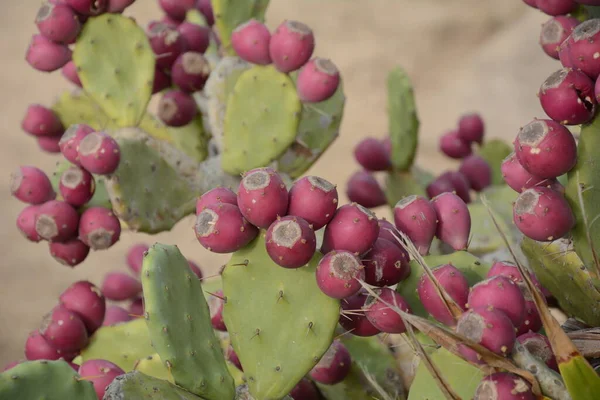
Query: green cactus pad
point(122, 344)
point(154, 367)
point(494, 152)
point(261, 119)
point(229, 14)
point(399, 184)
point(44, 380)
point(279, 321)
point(115, 64)
point(178, 321)
point(472, 267)
point(403, 119)
point(138, 386)
point(76, 107)
point(561, 271)
point(100, 197)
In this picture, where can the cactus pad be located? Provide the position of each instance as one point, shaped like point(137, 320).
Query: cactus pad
point(261, 119)
point(136, 385)
point(399, 184)
point(351, 388)
point(47, 380)
point(76, 107)
point(178, 321)
point(115, 64)
point(494, 152)
point(153, 366)
point(100, 197)
point(279, 321)
point(229, 14)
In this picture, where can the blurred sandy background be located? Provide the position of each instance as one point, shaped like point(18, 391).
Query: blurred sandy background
point(462, 55)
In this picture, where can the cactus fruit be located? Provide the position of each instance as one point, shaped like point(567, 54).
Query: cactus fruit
point(99, 228)
point(338, 274)
point(554, 32)
point(86, 300)
point(119, 286)
point(190, 72)
point(56, 221)
point(385, 264)
point(356, 322)
point(477, 171)
point(314, 199)
point(38, 348)
point(353, 228)
point(453, 282)
point(364, 189)
point(101, 373)
point(489, 327)
point(460, 185)
point(76, 186)
point(371, 154)
point(291, 242)
point(382, 316)
point(251, 42)
point(45, 55)
point(471, 128)
point(505, 386)
point(216, 195)
point(116, 315)
point(417, 218)
point(291, 45)
point(64, 330)
point(177, 108)
point(453, 220)
point(41, 121)
point(539, 346)
point(518, 178)
point(26, 223)
point(334, 366)
point(31, 185)
point(58, 22)
point(71, 253)
point(317, 80)
point(500, 293)
point(262, 197)
point(99, 153)
point(221, 228)
point(70, 140)
point(567, 96)
point(452, 145)
point(88, 7)
point(196, 37)
point(578, 50)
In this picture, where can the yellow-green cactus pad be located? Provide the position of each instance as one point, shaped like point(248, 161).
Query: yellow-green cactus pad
point(76, 107)
point(153, 366)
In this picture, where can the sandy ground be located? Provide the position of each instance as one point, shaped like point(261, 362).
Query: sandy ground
point(462, 55)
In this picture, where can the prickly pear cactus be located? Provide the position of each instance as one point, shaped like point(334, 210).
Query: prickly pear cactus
point(100, 197)
point(136, 385)
point(229, 14)
point(154, 367)
point(76, 107)
point(403, 119)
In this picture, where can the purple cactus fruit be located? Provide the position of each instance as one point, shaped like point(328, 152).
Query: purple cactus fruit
point(38, 348)
point(250, 41)
point(88, 7)
point(118, 6)
point(190, 71)
point(460, 184)
point(452, 145)
point(86, 300)
point(579, 50)
point(539, 347)
point(205, 7)
point(177, 9)
point(338, 274)
point(167, 20)
point(45, 55)
point(517, 177)
point(355, 321)
point(389, 232)
point(305, 390)
point(69, 71)
point(543, 214)
point(510, 270)
point(314, 199)
point(166, 42)
point(101, 373)
point(70, 253)
point(221, 228)
point(177, 108)
point(70, 140)
point(64, 330)
point(290, 242)
point(532, 321)
point(471, 128)
point(41, 121)
point(49, 144)
point(441, 184)
point(99, 228)
point(554, 32)
point(56, 221)
point(567, 96)
point(531, 3)
point(233, 358)
point(353, 228)
point(195, 269)
point(119, 286)
point(477, 171)
point(26, 223)
point(372, 155)
point(454, 220)
point(31, 185)
point(488, 327)
point(381, 315)
point(454, 283)
point(196, 37)
point(116, 315)
point(363, 188)
point(76, 186)
point(217, 195)
point(136, 307)
point(58, 22)
point(556, 7)
point(135, 257)
point(386, 264)
point(215, 306)
point(502, 294)
point(317, 81)
point(334, 366)
point(416, 217)
point(99, 153)
point(504, 386)
point(162, 81)
point(291, 45)
point(262, 197)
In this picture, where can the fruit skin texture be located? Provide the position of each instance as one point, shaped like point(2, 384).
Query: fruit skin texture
point(385, 264)
point(539, 346)
point(26, 223)
point(372, 155)
point(364, 189)
point(49, 144)
point(291, 242)
point(556, 7)
point(69, 71)
point(64, 330)
point(554, 32)
point(58, 22)
point(338, 274)
point(41, 121)
point(262, 197)
point(190, 71)
point(460, 183)
point(389, 232)
point(115, 315)
point(356, 323)
point(77, 186)
point(99, 153)
point(221, 228)
point(489, 327)
point(305, 390)
point(471, 128)
point(216, 195)
point(454, 282)
point(567, 96)
point(441, 184)
point(70, 253)
point(502, 294)
point(196, 37)
point(45, 55)
point(334, 366)
point(518, 178)
point(317, 80)
point(477, 171)
point(31, 185)
point(88, 7)
point(166, 42)
point(101, 373)
point(454, 220)
point(452, 145)
point(314, 199)
point(504, 386)
point(70, 140)
point(543, 214)
point(177, 9)
point(99, 228)
point(381, 315)
point(56, 221)
point(87, 301)
point(251, 41)
point(38, 348)
point(578, 50)
point(135, 257)
point(291, 45)
point(177, 108)
point(119, 286)
point(417, 218)
point(353, 228)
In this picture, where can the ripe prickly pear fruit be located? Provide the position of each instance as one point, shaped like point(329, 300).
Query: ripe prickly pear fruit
point(334, 366)
point(195, 37)
point(441, 184)
point(177, 108)
point(162, 80)
point(262, 197)
point(251, 41)
point(502, 294)
point(471, 128)
point(488, 327)
point(567, 96)
point(372, 155)
point(69, 71)
point(353, 228)
point(190, 71)
point(87, 301)
point(58, 22)
point(215, 306)
point(136, 307)
point(49, 144)
point(381, 315)
point(45, 55)
point(56, 221)
point(195, 269)
point(556, 7)
point(177, 9)
point(388, 231)
point(70, 253)
point(504, 386)
point(233, 358)
point(70, 140)
point(579, 49)
point(119, 286)
point(554, 32)
point(76, 186)
point(543, 214)
point(38, 348)
point(453, 146)
point(539, 347)
point(510, 270)
point(116, 315)
point(518, 178)
point(118, 6)
point(477, 171)
point(221, 228)
point(355, 321)
point(385, 264)
point(64, 330)
point(205, 7)
point(532, 321)
point(454, 220)
point(338, 274)
point(416, 217)
point(99, 153)
point(217, 195)
point(26, 223)
point(317, 81)
point(101, 373)
point(314, 199)
point(88, 7)
point(291, 45)
point(135, 257)
point(41, 121)
point(31, 185)
point(166, 42)
point(305, 390)
point(460, 183)
point(454, 283)
point(291, 242)
point(99, 228)
point(364, 189)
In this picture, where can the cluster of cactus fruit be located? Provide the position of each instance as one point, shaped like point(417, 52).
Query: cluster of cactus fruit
point(316, 297)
